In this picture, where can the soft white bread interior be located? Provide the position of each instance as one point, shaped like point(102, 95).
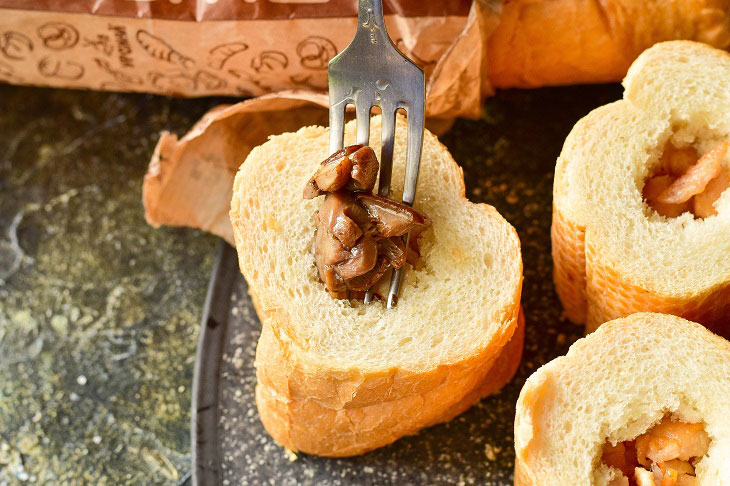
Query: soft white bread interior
point(613, 254)
point(339, 377)
point(613, 385)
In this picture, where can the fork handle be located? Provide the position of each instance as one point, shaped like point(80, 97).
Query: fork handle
point(371, 22)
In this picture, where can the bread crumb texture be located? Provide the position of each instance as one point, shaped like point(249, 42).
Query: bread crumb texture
point(614, 255)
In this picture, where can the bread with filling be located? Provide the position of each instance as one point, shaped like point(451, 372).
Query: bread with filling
point(337, 377)
point(617, 248)
point(643, 400)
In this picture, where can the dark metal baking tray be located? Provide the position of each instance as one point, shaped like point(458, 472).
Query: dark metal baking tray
point(508, 158)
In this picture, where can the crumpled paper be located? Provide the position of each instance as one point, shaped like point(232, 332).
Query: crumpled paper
point(204, 48)
point(189, 180)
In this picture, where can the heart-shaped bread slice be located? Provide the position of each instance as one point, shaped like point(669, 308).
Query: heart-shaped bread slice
point(614, 254)
point(338, 377)
point(617, 384)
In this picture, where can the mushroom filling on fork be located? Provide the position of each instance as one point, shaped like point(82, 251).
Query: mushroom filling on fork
point(359, 236)
point(370, 72)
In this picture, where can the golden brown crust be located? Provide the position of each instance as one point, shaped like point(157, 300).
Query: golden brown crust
point(555, 42)
point(569, 266)
point(308, 425)
point(593, 294)
point(302, 377)
point(521, 476)
point(610, 297)
point(596, 191)
point(507, 362)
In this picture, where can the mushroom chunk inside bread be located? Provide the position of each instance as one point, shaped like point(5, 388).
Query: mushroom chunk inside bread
point(359, 236)
point(641, 199)
point(337, 377)
point(643, 401)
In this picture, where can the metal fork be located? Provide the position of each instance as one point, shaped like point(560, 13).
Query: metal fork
point(372, 72)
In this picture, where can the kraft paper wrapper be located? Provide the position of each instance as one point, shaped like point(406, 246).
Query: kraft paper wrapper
point(210, 47)
point(189, 180)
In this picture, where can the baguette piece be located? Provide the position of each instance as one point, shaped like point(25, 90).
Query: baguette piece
point(558, 42)
point(612, 386)
point(613, 254)
point(339, 378)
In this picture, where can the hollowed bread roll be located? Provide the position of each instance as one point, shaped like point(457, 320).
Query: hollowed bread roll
point(337, 377)
point(619, 383)
point(613, 254)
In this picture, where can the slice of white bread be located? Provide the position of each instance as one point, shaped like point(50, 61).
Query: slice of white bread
point(340, 378)
point(613, 254)
point(614, 385)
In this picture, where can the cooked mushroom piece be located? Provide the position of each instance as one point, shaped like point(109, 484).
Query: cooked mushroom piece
point(327, 249)
point(311, 190)
point(393, 250)
point(369, 279)
point(361, 260)
point(364, 170)
point(335, 213)
point(359, 236)
point(333, 173)
point(392, 218)
point(328, 252)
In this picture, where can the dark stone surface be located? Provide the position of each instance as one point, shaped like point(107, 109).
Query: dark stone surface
point(508, 158)
point(98, 311)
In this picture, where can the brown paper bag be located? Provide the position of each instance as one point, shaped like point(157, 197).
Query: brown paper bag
point(211, 47)
point(189, 180)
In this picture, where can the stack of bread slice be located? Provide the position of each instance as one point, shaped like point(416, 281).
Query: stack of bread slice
point(338, 377)
point(614, 254)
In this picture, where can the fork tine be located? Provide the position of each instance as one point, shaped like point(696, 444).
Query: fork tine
point(413, 162)
point(395, 280)
point(362, 115)
point(413, 157)
point(387, 137)
point(337, 125)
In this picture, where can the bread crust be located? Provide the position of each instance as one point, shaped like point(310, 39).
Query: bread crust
point(592, 293)
point(569, 264)
point(560, 42)
point(553, 413)
point(610, 296)
point(592, 287)
point(308, 425)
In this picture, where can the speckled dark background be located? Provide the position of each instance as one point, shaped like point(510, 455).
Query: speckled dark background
point(99, 312)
